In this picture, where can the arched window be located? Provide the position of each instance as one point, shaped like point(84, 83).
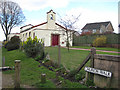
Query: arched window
point(51, 16)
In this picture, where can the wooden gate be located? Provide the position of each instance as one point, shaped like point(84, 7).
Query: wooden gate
point(55, 39)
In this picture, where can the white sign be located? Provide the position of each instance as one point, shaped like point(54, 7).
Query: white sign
point(97, 71)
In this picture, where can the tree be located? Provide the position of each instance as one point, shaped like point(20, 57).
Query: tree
point(11, 15)
point(69, 23)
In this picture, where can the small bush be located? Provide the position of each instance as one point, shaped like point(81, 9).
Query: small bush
point(99, 41)
point(80, 76)
point(90, 82)
point(34, 48)
point(13, 44)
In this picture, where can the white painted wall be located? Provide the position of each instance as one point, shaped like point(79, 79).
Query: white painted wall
point(44, 32)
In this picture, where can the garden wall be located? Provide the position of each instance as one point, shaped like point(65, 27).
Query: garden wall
point(109, 63)
point(113, 40)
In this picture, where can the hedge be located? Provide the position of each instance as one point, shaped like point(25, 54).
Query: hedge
point(88, 39)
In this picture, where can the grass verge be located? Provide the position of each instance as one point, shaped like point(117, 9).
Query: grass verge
point(30, 73)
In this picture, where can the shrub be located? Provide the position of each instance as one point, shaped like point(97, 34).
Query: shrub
point(13, 44)
point(99, 41)
point(80, 75)
point(34, 48)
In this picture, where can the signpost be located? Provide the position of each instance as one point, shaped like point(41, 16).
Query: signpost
point(97, 71)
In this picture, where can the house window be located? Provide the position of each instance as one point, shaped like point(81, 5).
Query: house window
point(101, 30)
point(33, 35)
point(86, 30)
point(29, 34)
point(94, 30)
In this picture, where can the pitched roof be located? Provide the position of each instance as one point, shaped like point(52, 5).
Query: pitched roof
point(96, 25)
point(50, 11)
point(39, 25)
point(26, 26)
point(61, 26)
point(42, 24)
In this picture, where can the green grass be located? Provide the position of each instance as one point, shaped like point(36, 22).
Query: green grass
point(98, 48)
point(30, 73)
point(70, 59)
point(73, 58)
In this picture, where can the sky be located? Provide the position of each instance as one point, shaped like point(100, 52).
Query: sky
point(90, 10)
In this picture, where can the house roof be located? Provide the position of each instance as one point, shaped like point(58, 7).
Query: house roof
point(40, 25)
point(96, 25)
point(50, 11)
point(26, 26)
point(61, 26)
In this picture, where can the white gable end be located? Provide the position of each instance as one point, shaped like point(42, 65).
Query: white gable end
point(51, 32)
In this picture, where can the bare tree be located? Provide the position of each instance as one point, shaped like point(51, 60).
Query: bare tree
point(69, 23)
point(11, 15)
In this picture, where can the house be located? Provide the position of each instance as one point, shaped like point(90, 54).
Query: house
point(76, 33)
point(50, 32)
point(12, 35)
point(98, 27)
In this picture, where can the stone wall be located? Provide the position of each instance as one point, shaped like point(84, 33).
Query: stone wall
point(109, 63)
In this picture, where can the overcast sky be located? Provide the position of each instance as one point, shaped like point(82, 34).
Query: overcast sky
point(90, 10)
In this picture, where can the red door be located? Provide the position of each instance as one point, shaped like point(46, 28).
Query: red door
point(55, 39)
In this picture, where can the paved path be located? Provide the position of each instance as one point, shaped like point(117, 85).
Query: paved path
point(90, 49)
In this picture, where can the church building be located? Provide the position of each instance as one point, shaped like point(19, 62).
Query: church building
point(50, 32)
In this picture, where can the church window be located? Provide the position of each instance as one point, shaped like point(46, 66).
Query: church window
point(33, 35)
point(51, 16)
point(26, 34)
point(29, 34)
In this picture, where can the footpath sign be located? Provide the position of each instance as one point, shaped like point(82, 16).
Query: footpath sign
point(99, 72)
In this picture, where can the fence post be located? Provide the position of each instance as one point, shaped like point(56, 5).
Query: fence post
point(17, 73)
point(86, 77)
point(43, 78)
point(3, 62)
point(93, 51)
point(59, 56)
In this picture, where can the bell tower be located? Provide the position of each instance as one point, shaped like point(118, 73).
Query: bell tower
point(51, 18)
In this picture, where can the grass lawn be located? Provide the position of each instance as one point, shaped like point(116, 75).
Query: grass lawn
point(97, 48)
point(30, 72)
point(70, 59)
point(73, 58)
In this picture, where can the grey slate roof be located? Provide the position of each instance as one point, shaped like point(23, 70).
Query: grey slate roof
point(96, 25)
